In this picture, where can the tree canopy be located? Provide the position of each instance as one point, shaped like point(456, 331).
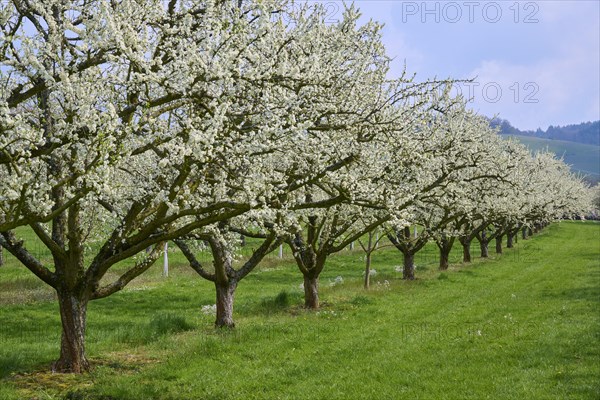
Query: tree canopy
point(124, 125)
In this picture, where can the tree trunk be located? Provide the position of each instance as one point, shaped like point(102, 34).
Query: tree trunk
point(509, 240)
point(310, 264)
point(225, 294)
point(445, 245)
point(444, 257)
point(73, 313)
point(498, 244)
point(408, 272)
point(530, 231)
point(466, 245)
point(368, 270)
point(1, 257)
point(483, 245)
point(311, 292)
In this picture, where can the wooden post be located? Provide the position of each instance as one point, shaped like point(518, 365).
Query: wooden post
point(166, 261)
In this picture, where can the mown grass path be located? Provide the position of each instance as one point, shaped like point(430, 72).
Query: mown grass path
point(524, 325)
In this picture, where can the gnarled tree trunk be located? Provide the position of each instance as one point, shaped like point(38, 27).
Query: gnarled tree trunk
point(498, 244)
point(509, 240)
point(225, 296)
point(311, 263)
point(225, 277)
point(408, 271)
point(466, 245)
point(483, 243)
point(444, 258)
point(483, 246)
point(445, 245)
point(311, 291)
point(73, 314)
point(408, 247)
point(524, 233)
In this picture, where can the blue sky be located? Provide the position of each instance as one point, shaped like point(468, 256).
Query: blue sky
point(534, 63)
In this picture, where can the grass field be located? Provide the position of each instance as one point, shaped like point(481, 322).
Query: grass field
point(523, 325)
point(583, 158)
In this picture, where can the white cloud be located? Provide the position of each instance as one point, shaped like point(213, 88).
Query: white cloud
point(568, 84)
point(395, 40)
point(560, 54)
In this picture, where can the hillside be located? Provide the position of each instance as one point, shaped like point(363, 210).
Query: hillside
point(585, 132)
point(583, 158)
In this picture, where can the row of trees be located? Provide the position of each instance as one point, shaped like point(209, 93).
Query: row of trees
point(124, 125)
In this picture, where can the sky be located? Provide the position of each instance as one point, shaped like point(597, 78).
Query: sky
point(533, 63)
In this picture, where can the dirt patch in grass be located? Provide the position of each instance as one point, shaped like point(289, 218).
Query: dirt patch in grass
point(30, 385)
point(43, 381)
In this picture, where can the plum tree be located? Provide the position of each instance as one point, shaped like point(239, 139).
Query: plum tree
point(128, 124)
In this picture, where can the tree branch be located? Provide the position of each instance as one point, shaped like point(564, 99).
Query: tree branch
point(196, 266)
point(138, 269)
point(9, 242)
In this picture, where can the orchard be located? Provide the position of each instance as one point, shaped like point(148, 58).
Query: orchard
point(127, 125)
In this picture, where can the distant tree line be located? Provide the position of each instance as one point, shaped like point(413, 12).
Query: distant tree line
point(585, 132)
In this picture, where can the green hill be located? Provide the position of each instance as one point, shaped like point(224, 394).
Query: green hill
point(585, 132)
point(583, 158)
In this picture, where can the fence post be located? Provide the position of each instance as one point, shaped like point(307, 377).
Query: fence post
point(166, 261)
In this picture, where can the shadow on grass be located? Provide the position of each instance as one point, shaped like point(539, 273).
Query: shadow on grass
point(361, 300)
point(15, 363)
point(587, 293)
point(141, 332)
point(11, 363)
point(272, 305)
point(581, 385)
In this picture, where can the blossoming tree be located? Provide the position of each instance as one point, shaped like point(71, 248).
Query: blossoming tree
point(128, 124)
point(461, 150)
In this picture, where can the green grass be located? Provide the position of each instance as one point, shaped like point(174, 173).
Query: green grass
point(583, 158)
point(524, 325)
